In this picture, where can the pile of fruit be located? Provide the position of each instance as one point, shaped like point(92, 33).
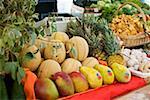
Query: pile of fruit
point(86, 57)
point(126, 25)
point(64, 68)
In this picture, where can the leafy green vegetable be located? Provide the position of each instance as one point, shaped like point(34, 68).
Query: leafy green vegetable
point(108, 8)
point(17, 27)
point(11, 67)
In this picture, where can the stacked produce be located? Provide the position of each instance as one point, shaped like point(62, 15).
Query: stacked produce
point(76, 72)
point(88, 56)
point(89, 29)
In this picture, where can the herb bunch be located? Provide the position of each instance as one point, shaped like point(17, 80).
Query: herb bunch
point(17, 27)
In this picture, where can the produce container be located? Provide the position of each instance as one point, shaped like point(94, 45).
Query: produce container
point(141, 38)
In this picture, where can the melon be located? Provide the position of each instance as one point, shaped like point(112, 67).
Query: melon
point(41, 44)
point(77, 48)
point(48, 68)
point(62, 36)
point(55, 50)
point(31, 63)
point(90, 62)
point(70, 65)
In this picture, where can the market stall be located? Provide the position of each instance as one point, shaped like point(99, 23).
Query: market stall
point(70, 58)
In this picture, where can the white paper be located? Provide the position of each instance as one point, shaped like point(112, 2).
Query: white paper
point(64, 6)
point(77, 11)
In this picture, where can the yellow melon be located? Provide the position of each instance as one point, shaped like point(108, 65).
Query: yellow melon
point(41, 44)
point(90, 62)
point(62, 36)
point(33, 63)
point(77, 48)
point(55, 50)
point(70, 65)
point(48, 68)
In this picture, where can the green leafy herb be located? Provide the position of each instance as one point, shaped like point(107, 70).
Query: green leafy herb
point(17, 27)
point(108, 8)
point(11, 67)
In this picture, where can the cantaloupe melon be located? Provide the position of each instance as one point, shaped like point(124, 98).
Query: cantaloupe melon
point(55, 50)
point(41, 44)
point(33, 63)
point(48, 68)
point(77, 48)
point(90, 62)
point(70, 65)
point(62, 36)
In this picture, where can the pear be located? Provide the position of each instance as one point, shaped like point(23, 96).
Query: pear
point(93, 77)
point(121, 72)
point(106, 72)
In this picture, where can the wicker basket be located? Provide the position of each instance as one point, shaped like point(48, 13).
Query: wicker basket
point(135, 40)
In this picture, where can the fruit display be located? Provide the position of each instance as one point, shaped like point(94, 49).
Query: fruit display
point(45, 89)
point(93, 77)
point(126, 25)
point(77, 48)
point(48, 68)
point(28, 52)
point(63, 37)
point(88, 28)
point(63, 83)
point(122, 73)
point(100, 38)
point(90, 62)
point(106, 72)
point(79, 81)
point(70, 65)
point(36, 64)
point(55, 50)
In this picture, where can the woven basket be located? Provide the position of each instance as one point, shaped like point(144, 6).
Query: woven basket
point(135, 40)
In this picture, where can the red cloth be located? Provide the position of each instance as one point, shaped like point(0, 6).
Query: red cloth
point(110, 91)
